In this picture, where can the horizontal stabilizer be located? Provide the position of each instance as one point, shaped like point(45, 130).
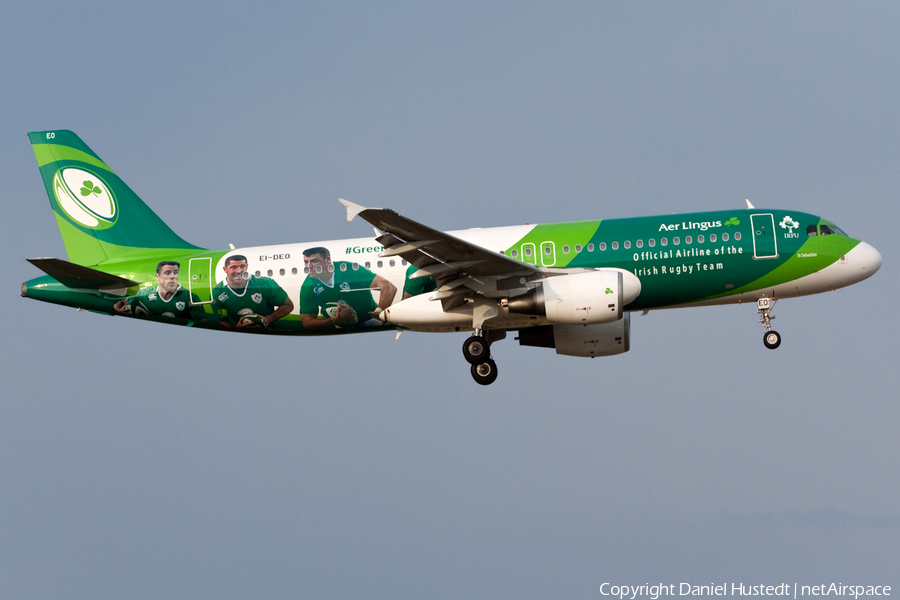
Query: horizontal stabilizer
point(78, 276)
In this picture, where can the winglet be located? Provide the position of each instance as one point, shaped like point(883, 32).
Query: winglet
point(353, 209)
point(748, 203)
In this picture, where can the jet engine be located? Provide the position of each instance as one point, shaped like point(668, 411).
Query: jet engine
point(581, 298)
point(603, 339)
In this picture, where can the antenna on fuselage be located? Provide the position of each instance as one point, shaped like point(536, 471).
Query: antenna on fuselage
point(748, 204)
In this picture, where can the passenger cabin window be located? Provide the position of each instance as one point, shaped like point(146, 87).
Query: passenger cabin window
point(343, 267)
point(515, 253)
point(294, 271)
point(355, 266)
point(712, 238)
point(639, 243)
point(664, 242)
point(615, 245)
point(602, 246)
point(590, 247)
point(627, 244)
point(577, 248)
point(565, 250)
point(281, 272)
point(700, 239)
point(737, 235)
point(269, 273)
point(724, 237)
point(688, 239)
point(676, 240)
point(651, 242)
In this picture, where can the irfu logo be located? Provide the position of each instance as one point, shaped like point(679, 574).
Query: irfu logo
point(790, 224)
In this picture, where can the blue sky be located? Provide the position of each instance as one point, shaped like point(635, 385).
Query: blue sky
point(140, 461)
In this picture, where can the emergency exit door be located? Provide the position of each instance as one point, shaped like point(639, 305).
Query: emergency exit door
point(764, 244)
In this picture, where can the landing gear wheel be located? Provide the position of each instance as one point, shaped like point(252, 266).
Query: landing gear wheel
point(485, 373)
point(772, 339)
point(476, 349)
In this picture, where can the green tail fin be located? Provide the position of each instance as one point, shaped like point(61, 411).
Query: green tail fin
point(99, 217)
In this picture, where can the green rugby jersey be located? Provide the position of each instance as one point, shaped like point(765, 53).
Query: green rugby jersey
point(414, 287)
point(261, 296)
point(149, 301)
point(348, 285)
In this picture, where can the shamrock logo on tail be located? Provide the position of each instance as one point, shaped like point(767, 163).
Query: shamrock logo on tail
point(609, 291)
point(732, 221)
point(89, 188)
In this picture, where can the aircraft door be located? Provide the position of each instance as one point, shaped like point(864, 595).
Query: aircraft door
point(201, 281)
point(764, 244)
point(529, 255)
point(548, 254)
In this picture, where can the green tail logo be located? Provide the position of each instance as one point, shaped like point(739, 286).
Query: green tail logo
point(99, 217)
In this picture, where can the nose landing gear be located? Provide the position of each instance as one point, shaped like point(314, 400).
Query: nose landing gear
point(771, 339)
point(477, 352)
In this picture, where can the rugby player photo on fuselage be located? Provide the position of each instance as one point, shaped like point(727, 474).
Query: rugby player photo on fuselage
point(339, 295)
point(246, 302)
point(419, 285)
point(167, 299)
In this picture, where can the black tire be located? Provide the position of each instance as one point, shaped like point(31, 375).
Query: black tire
point(476, 350)
point(485, 373)
point(772, 339)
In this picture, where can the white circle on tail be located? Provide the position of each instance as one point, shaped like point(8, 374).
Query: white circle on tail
point(85, 198)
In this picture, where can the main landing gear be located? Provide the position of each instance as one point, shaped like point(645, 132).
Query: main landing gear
point(772, 339)
point(477, 352)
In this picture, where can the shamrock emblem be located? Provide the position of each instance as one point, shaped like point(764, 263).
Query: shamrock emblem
point(89, 188)
point(732, 221)
point(609, 291)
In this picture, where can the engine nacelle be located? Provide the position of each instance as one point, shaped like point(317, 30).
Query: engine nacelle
point(581, 298)
point(421, 313)
point(603, 339)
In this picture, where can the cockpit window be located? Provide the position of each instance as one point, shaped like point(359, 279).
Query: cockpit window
point(824, 229)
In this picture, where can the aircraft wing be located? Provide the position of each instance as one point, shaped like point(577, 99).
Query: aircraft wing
point(458, 266)
point(433, 250)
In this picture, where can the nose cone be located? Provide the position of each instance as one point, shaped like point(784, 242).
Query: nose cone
point(866, 258)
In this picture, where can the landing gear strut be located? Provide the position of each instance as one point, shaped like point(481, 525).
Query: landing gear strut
point(771, 339)
point(477, 352)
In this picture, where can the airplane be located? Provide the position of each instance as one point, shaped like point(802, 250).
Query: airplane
point(571, 286)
